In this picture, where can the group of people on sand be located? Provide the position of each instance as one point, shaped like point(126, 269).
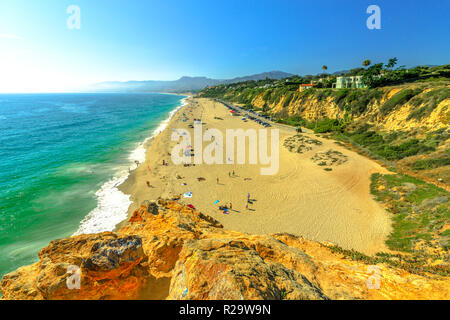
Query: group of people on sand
point(226, 209)
point(231, 174)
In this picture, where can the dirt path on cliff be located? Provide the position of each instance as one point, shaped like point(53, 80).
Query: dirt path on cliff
point(322, 193)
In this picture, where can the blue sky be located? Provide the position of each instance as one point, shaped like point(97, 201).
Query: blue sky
point(167, 39)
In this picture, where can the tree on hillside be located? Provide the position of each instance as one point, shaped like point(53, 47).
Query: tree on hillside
point(356, 72)
point(366, 63)
point(391, 64)
point(371, 75)
point(324, 68)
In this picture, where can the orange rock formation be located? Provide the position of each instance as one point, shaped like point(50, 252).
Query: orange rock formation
point(168, 251)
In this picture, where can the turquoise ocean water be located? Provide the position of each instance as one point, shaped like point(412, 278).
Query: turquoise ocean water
point(62, 157)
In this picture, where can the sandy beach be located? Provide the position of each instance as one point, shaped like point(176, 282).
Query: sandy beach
point(303, 198)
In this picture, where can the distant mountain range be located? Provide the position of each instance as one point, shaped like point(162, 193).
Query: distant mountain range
point(184, 84)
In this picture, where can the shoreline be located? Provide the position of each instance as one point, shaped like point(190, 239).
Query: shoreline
point(130, 178)
point(303, 198)
point(112, 203)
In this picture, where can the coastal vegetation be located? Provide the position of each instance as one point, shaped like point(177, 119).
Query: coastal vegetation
point(391, 146)
point(427, 164)
point(379, 75)
point(427, 102)
point(399, 98)
point(421, 215)
point(424, 98)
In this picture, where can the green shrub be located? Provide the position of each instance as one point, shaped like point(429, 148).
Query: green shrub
point(416, 218)
point(339, 95)
point(328, 125)
point(356, 100)
point(406, 149)
point(385, 148)
point(288, 99)
point(266, 95)
point(428, 102)
point(399, 98)
point(323, 94)
point(427, 164)
point(294, 121)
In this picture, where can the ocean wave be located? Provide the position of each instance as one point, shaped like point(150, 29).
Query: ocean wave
point(139, 153)
point(113, 204)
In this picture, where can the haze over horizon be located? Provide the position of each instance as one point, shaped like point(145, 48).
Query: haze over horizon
point(165, 40)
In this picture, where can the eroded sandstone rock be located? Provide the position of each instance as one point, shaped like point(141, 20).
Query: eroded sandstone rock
point(174, 252)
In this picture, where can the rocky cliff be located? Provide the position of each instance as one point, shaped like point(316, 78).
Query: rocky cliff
point(169, 251)
point(405, 107)
point(406, 126)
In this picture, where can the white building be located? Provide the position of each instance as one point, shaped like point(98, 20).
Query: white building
point(349, 82)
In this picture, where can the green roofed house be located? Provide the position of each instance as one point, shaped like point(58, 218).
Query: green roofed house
point(349, 82)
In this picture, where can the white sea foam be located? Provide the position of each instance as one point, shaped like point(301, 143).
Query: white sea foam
point(112, 204)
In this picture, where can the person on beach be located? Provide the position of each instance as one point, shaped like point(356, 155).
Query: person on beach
point(217, 180)
point(148, 184)
point(231, 206)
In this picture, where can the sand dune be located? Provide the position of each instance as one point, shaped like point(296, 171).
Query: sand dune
point(302, 198)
